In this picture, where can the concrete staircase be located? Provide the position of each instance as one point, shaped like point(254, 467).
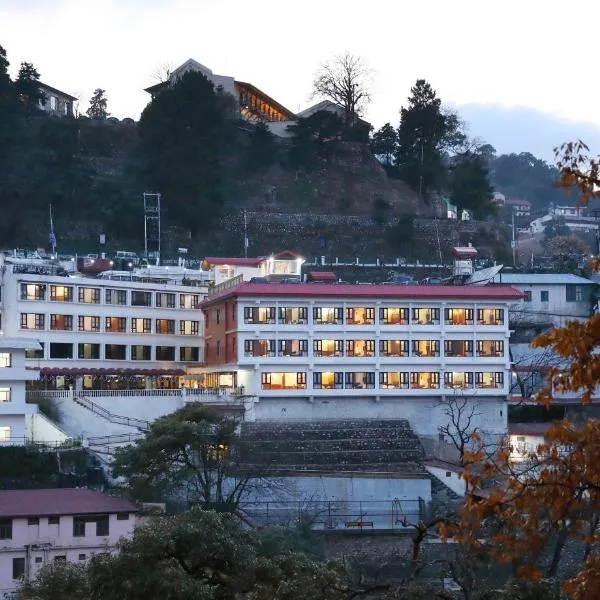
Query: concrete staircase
point(348, 445)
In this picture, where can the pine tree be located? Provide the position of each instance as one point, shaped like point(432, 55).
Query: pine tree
point(383, 143)
point(98, 103)
point(27, 87)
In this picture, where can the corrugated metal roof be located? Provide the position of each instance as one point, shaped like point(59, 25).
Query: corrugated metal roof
point(373, 291)
point(60, 501)
point(541, 278)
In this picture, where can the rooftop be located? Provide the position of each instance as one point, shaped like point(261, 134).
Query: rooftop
point(242, 262)
point(19, 343)
point(541, 278)
point(62, 501)
point(374, 291)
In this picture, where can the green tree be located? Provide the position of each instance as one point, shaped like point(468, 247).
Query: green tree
point(199, 555)
point(193, 453)
point(184, 133)
point(383, 143)
point(27, 87)
point(98, 104)
point(262, 149)
point(424, 134)
point(469, 186)
point(556, 226)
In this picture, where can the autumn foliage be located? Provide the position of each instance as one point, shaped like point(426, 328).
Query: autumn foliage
point(524, 515)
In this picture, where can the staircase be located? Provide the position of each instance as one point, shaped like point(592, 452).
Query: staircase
point(102, 412)
point(348, 445)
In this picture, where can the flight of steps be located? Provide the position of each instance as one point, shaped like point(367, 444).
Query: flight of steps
point(345, 445)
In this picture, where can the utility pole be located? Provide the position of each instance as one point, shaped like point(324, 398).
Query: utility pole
point(514, 242)
point(52, 236)
point(421, 172)
point(245, 235)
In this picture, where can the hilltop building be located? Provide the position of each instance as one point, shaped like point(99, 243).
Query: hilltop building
point(58, 103)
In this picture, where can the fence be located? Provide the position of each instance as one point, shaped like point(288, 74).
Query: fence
point(33, 395)
point(396, 515)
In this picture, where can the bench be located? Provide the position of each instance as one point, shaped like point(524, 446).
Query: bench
point(360, 524)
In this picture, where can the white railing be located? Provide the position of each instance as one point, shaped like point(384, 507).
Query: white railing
point(237, 392)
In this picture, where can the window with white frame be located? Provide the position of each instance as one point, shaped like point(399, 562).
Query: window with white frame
point(5, 360)
point(4, 394)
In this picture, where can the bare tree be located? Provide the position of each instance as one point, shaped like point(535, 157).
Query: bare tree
point(345, 81)
point(461, 412)
point(162, 73)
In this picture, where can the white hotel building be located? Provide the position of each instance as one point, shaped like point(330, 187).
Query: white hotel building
point(102, 333)
point(327, 351)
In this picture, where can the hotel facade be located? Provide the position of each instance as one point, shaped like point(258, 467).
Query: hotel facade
point(322, 351)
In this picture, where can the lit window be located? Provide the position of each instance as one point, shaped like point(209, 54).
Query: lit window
point(293, 348)
point(458, 380)
point(33, 291)
point(4, 437)
point(259, 348)
point(61, 293)
point(360, 347)
point(116, 297)
point(189, 300)
point(490, 316)
point(32, 321)
point(189, 327)
point(115, 324)
point(426, 316)
point(393, 380)
point(459, 316)
point(458, 348)
point(393, 348)
point(141, 325)
point(165, 300)
point(426, 348)
point(61, 322)
point(360, 316)
point(393, 316)
point(328, 347)
point(88, 323)
point(489, 379)
point(4, 394)
point(5, 360)
point(89, 295)
point(360, 380)
point(328, 380)
point(88, 351)
point(283, 381)
point(490, 348)
point(293, 315)
point(328, 315)
point(425, 380)
point(165, 326)
point(259, 314)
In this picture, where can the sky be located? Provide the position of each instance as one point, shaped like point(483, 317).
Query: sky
point(537, 55)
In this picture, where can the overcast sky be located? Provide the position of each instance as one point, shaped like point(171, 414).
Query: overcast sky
point(533, 53)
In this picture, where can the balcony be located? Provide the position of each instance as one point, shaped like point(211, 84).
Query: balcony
point(393, 316)
point(425, 381)
point(426, 348)
point(490, 316)
point(360, 315)
point(459, 316)
point(426, 316)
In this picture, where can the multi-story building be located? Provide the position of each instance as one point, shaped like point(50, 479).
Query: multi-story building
point(102, 333)
point(322, 351)
point(38, 527)
point(57, 103)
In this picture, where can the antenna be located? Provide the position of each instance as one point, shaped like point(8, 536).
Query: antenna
point(152, 226)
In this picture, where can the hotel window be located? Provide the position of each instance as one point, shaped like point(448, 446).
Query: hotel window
point(165, 353)
point(141, 325)
point(259, 347)
point(360, 380)
point(259, 314)
point(393, 380)
point(459, 316)
point(139, 298)
point(165, 300)
point(426, 348)
point(33, 291)
point(393, 348)
point(328, 380)
point(35, 352)
point(490, 348)
point(425, 380)
point(283, 381)
point(489, 379)
point(141, 352)
point(393, 316)
point(4, 395)
point(189, 327)
point(61, 350)
point(32, 321)
point(189, 300)
point(490, 316)
point(458, 348)
point(458, 380)
point(61, 293)
point(88, 323)
point(297, 315)
point(5, 434)
point(293, 348)
point(88, 351)
point(360, 315)
point(426, 316)
point(115, 324)
point(189, 354)
point(61, 322)
point(165, 326)
point(115, 352)
point(5, 360)
point(360, 347)
point(527, 297)
point(89, 295)
point(328, 347)
point(327, 315)
point(116, 297)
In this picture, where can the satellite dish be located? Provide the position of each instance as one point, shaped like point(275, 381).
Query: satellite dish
point(484, 276)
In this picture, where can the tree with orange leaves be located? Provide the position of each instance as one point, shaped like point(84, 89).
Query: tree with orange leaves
point(525, 515)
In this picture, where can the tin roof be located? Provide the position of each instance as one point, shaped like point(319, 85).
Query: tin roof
point(373, 291)
point(60, 501)
point(242, 262)
point(541, 279)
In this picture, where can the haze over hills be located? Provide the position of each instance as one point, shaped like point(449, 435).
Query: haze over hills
point(521, 129)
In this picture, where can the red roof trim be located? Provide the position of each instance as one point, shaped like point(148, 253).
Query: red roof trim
point(374, 291)
point(220, 260)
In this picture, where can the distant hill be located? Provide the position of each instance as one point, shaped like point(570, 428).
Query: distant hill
point(520, 129)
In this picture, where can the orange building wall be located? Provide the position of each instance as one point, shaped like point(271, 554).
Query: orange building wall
point(221, 327)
